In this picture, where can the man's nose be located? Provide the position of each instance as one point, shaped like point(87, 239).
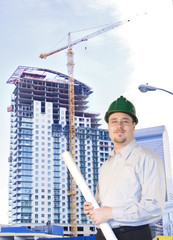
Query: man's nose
point(120, 123)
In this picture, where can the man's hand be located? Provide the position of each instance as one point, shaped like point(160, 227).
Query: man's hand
point(98, 215)
point(87, 208)
point(101, 215)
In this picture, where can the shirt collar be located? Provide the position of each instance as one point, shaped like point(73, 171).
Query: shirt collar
point(126, 150)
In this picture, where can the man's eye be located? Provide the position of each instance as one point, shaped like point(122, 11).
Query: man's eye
point(115, 122)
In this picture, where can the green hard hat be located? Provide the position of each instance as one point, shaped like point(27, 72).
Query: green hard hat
point(121, 105)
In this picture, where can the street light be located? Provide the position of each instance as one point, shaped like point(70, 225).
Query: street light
point(145, 88)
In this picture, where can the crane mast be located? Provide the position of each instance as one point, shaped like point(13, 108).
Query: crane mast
point(70, 67)
point(72, 191)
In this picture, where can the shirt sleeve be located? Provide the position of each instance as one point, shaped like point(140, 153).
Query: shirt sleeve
point(151, 204)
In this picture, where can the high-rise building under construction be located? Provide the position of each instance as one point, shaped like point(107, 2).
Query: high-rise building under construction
point(39, 181)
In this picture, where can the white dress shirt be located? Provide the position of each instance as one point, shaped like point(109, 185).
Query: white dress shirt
point(132, 182)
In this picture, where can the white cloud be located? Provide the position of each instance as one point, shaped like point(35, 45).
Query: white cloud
point(150, 40)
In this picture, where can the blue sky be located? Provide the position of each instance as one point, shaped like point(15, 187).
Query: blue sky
point(112, 64)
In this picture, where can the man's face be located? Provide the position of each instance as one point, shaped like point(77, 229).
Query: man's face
point(121, 128)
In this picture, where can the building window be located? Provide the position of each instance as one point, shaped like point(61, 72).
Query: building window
point(80, 229)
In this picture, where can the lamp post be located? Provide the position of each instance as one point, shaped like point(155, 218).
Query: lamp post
point(145, 88)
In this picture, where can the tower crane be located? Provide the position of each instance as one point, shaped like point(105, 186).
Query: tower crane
point(70, 67)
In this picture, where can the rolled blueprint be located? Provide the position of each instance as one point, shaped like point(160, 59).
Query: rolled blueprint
point(80, 181)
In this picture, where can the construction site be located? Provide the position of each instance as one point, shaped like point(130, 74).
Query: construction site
point(49, 115)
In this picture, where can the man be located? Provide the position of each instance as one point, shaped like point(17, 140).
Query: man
point(131, 185)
